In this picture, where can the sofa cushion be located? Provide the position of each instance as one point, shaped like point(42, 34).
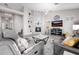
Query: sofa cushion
point(10, 34)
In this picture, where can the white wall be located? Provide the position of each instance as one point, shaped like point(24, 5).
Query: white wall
point(18, 23)
point(38, 17)
point(64, 14)
point(68, 25)
point(25, 22)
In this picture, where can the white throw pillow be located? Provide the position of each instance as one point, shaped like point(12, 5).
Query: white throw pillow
point(22, 43)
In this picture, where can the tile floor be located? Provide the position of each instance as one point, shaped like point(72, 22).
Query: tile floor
point(48, 48)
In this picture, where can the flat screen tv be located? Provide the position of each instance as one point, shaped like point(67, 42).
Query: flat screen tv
point(57, 23)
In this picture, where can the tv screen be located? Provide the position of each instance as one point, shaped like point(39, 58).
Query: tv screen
point(57, 23)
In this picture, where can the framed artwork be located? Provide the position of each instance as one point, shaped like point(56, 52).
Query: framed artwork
point(38, 29)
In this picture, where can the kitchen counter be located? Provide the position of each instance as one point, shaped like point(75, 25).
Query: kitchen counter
point(60, 48)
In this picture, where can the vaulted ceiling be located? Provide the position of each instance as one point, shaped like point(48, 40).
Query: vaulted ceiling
point(51, 6)
point(44, 6)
